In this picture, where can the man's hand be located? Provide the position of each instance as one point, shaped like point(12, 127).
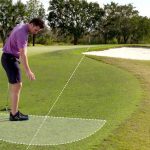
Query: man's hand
point(30, 75)
point(24, 60)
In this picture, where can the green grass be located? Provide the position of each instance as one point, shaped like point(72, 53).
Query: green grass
point(133, 133)
point(96, 91)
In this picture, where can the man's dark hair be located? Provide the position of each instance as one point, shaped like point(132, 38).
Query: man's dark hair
point(37, 22)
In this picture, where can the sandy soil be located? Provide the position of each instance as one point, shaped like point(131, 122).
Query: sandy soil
point(124, 52)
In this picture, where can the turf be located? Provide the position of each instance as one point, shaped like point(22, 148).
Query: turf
point(55, 130)
point(134, 133)
point(96, 91)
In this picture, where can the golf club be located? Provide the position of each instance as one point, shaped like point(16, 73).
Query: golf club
point(7, 99)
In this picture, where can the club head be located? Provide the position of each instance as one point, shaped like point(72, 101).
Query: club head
point(5, 109)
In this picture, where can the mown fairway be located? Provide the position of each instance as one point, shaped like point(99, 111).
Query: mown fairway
point(96, 91)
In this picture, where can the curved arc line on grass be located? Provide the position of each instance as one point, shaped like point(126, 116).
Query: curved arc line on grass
point(67, 142)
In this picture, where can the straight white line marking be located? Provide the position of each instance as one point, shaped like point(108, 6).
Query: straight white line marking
point(45, 118)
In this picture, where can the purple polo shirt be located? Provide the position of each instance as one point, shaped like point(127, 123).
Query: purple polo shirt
point(17, 39)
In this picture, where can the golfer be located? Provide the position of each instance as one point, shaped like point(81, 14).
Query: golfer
point(14, 52)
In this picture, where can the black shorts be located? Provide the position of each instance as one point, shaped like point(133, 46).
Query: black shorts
point(11, 66)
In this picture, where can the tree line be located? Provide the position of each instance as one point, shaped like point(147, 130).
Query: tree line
point(78, 21)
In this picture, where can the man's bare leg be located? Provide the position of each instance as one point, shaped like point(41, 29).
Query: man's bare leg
point(15, 114)
point(14, 96)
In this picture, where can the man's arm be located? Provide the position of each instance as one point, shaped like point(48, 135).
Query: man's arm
point(24, 61)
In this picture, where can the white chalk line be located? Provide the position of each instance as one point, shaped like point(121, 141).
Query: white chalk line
point(59, 117)
point(54, 103)
point(71, 141)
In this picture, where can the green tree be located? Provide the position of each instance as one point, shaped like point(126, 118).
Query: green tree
point(94, 19)
point(35, 9)
point(19, 10)
point(10, 15)
point(5, 16)
point(73, 17)
point(127, 12)
point(117, 22)
point(140, 29)
point(109, 28)
point(42, 13)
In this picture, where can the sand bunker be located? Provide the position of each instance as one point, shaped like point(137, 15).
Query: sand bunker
point(124, 52)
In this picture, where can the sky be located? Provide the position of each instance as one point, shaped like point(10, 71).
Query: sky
point(142, 6)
